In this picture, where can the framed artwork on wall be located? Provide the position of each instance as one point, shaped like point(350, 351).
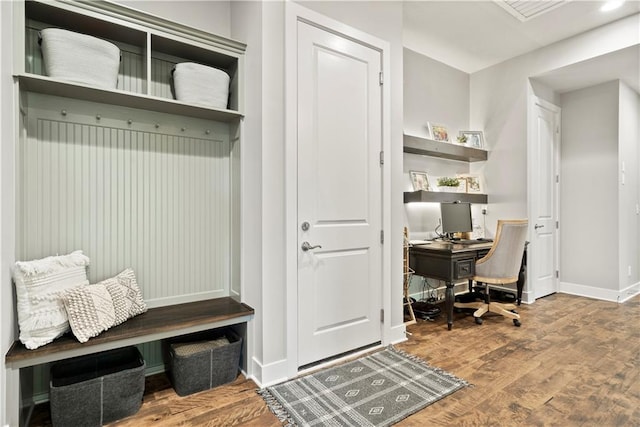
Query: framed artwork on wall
point(474, 138)
point(475, 183)
point(420, 181)
point(438, 132)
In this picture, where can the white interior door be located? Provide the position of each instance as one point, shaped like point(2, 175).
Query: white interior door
point(339, 134)
point(543, 251)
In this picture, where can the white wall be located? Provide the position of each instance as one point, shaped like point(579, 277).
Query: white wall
point(261, 25)
point(629, 161)
point(246, 25)
point(499, 106)
point(589, 202)
point(434, 92)
point(600, 186)
point(211, 16)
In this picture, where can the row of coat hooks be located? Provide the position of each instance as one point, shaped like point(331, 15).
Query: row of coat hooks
point(130, 122)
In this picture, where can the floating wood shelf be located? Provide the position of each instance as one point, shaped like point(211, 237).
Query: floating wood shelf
point(440, 197)
point(428, 147)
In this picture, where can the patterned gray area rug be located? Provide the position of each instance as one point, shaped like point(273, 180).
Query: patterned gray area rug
point(376, 390)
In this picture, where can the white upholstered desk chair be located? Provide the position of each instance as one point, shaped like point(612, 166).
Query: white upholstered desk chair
point(500, 266)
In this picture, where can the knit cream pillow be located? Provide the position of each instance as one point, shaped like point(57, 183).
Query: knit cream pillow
point(95, 308)
point(90, 310)
point(126, 296)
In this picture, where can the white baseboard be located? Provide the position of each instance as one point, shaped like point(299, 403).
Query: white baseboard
point(397, 334)
point(277, 372)
point(269, 374)
point(612, 295)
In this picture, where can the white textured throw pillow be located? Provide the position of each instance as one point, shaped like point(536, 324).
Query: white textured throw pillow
point(90, 311)
point(39, 286)
point(126, 296)
point(95, 308)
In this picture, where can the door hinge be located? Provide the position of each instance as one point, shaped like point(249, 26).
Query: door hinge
point(557, 274)
point(382, 314)
point(381, 78)
point(381, 236)
point(557, 179)
point(557, 225)
point(382, 157)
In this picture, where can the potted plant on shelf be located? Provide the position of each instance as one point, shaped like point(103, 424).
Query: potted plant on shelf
point(448, 184)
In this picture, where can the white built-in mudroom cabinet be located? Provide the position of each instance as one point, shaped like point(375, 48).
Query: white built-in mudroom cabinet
point(131, 176)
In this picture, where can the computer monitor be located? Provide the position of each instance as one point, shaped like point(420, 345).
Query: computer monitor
point(456, 218)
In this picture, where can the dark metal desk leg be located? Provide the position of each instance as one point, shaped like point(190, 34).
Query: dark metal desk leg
point(448, 301)
point(519, 286)
point(521, 278)
point(522, 275)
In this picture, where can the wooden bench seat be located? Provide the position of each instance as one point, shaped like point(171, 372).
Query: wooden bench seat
point(157, 323)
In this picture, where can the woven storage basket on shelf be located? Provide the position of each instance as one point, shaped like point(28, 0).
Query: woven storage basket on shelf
point(198, 84)
point(203, 361)
point(80, 58)
point(97, 389)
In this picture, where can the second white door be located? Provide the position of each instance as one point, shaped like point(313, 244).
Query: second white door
point(543, 252)
point(339, 133)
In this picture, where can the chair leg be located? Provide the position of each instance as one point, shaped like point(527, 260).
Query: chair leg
point(506, 310)
point(481, 310)
point(475, 305)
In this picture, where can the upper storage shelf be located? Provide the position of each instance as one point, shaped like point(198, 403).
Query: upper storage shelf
point(150, 46)
point(428, 147)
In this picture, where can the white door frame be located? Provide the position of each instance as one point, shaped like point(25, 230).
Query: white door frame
point(529, 295)
point(293, 14)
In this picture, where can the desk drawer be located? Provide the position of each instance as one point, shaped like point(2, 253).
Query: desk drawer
point(464, 268)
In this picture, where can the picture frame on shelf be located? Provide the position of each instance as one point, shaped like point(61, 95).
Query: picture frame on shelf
point(420, 181)
point(474, 183)
point(438, 132)
point(474, 138)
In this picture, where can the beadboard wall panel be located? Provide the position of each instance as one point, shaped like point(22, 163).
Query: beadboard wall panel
point(161, 78)
point(131, 189)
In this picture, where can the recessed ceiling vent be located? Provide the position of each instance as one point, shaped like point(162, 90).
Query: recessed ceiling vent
point(526, 10)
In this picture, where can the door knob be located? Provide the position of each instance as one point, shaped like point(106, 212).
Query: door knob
point(307, 246)
point(538, 226)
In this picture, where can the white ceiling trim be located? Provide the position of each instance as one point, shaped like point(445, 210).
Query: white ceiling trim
point(526, 10)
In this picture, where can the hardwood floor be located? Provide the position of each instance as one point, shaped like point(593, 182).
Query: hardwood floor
point(574, 362)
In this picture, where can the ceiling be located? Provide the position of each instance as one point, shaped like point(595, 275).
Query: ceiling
point(472, 35)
